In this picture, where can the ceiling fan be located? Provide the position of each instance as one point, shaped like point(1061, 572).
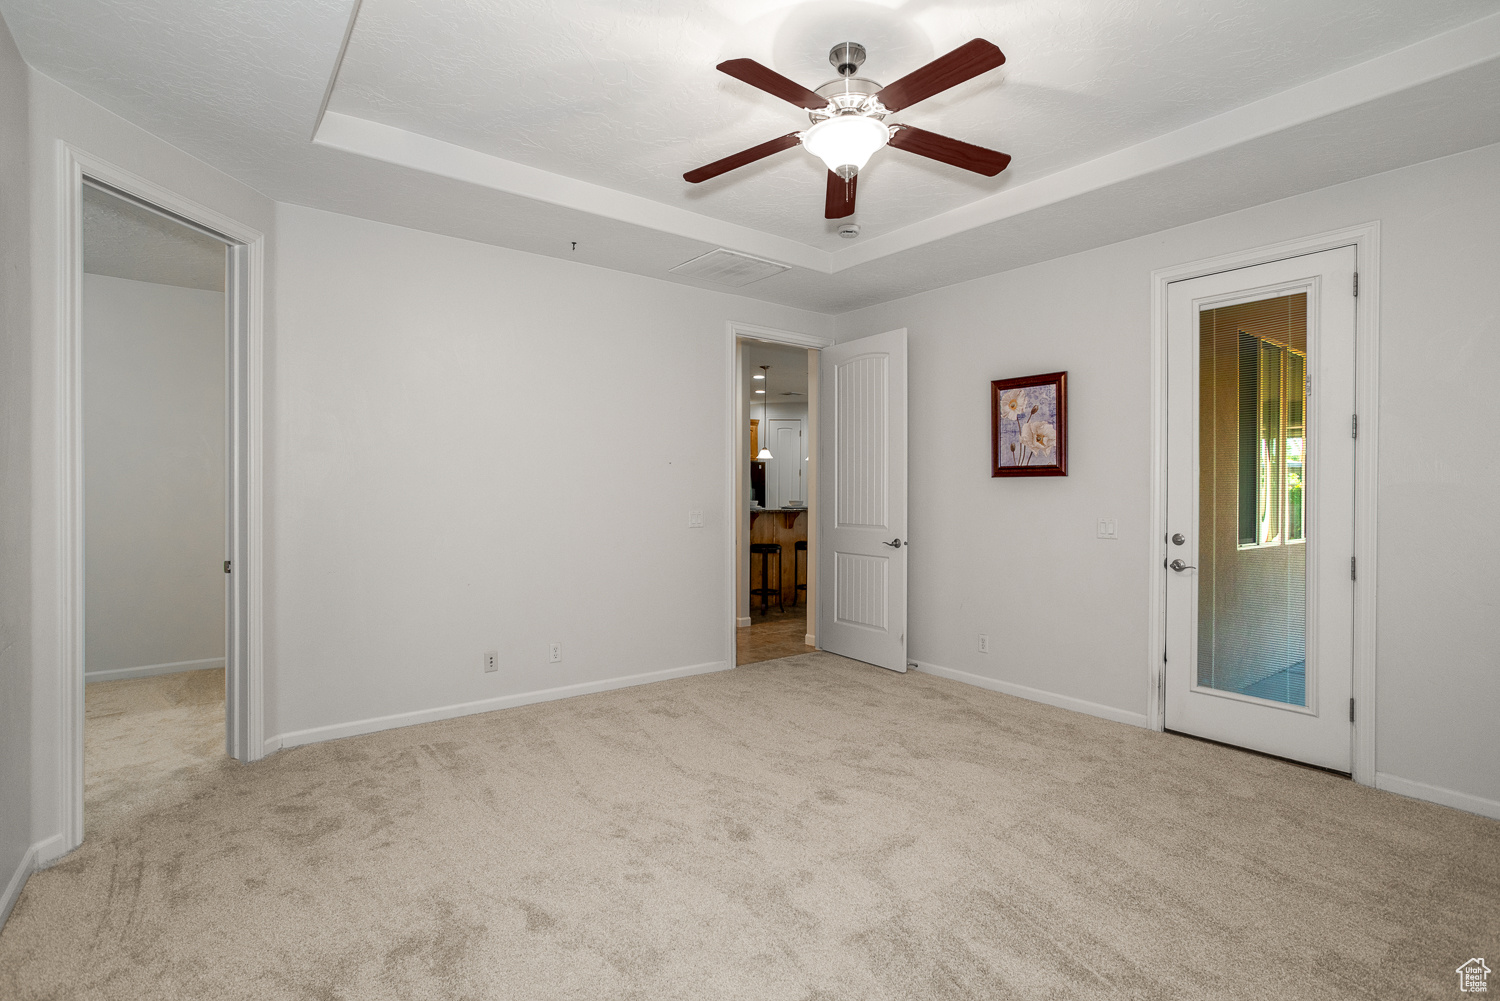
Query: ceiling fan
point(848, 115)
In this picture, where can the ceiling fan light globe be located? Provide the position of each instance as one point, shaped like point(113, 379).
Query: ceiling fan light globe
point(846, 142)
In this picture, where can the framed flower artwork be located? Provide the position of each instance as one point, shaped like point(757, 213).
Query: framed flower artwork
point(1029, 425)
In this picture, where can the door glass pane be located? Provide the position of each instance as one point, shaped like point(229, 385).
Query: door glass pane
point(1252, 552)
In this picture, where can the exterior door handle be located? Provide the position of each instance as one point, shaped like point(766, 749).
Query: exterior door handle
point(1180, 566)
point(894, 543)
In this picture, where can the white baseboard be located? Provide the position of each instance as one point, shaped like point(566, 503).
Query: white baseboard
point(1035, 694)
point(743, 622)
point(810, 640)
point(16, 883)
point(149, 670)
point(49, 851)
point(1437, 794)
point(357, 727)
point(39, 856)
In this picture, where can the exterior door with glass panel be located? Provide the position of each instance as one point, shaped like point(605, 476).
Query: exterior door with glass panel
point(1260, 507)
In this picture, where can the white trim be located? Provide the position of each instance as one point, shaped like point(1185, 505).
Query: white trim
point(1438, 794)
point(375, 724)
point(1034, 694)
point(37, 857)
point(1366, 496)
point(810, 639)
point(795, 338)
point(244, 705)
point(1366, 241)
point(151, 670)
point(17, 883)
point(750, 331)
point(338, 67)
point(49, 851)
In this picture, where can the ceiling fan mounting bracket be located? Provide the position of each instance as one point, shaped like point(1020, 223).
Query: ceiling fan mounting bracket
point(847, 57)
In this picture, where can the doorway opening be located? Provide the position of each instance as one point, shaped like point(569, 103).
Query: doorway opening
point(775, 504)
point(154, 351)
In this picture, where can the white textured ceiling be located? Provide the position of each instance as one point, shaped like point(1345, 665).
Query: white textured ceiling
point(578, 118)
point(123, 240)
point(625, 94)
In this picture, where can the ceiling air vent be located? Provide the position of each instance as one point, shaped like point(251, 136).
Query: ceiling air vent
point(728, 268)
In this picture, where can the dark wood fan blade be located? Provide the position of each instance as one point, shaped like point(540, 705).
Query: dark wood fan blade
point(965, 62)
point(958, 153)
point(772, 82)
point(741, 158)
point(840, 200)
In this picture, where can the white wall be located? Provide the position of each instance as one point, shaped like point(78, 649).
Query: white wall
point(453, 472)
point(15, 475)
point(153, 433)
point(57, 113)
point(1067, 613)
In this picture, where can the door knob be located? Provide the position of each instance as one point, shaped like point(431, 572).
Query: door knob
point(1180, 566)
point(894, 543)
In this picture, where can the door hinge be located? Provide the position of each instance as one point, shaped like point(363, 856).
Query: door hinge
point(1353, 568)
point(1356, 284)
point(1354, 426)
point(226, 566)
point(1351, 710)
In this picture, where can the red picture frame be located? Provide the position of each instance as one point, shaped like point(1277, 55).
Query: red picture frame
point(1029, 425)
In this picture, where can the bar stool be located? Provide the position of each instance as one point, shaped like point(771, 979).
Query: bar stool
point(765, 550)
point(798, 548)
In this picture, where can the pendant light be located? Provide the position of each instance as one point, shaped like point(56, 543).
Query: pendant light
point(765, 453)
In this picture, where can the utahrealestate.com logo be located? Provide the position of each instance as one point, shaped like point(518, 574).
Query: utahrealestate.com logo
point(1474, 977)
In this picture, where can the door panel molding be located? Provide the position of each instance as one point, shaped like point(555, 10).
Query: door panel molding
point(864, 427)
point(1366, 241)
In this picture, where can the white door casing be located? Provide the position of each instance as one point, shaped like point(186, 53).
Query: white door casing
point(862, 505)
point(1319, 732)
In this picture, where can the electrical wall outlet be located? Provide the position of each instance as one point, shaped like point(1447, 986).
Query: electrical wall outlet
point(491, 662)
point(695, 518)
point(984, 643)
point(554, 653)
point(1108, 528)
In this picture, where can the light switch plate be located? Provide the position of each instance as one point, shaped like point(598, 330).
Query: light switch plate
point(1108, 528)
point(695, 518)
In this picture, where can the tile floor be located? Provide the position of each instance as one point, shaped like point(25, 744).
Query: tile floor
point(776, 634)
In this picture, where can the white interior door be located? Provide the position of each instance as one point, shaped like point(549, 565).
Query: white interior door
point(862, 500)
point(785, 473)
point(1260, 507)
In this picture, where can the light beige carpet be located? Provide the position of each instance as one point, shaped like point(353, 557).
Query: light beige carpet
point(807, 829)
point(141, 735)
